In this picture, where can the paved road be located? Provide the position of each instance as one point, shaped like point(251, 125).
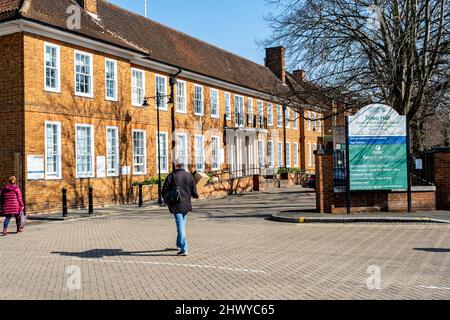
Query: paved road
point(235, 254)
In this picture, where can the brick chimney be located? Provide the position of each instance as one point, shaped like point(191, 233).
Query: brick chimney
point(276, 61)
point(299, 75)
point(89, 5)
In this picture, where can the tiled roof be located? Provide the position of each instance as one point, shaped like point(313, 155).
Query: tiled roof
point(160, 43)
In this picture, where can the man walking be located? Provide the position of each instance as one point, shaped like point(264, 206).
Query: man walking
point(187, 189)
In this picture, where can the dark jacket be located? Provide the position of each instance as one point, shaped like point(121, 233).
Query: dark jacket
point(185, 181)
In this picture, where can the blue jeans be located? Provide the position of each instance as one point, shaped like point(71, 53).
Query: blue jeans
point(180, 219)
point(8, 219)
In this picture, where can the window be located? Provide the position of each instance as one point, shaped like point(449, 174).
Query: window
point(199, 154)
point(250, 111)
point(287, 117)
point(260, 112)
point(314, 122)
point(308, 121)
point(112, 151)
point(261, 154)
point(280, 154)
point(270, 115)
point(163, 162)
point(279, 117)
point(161, 90)
point(198, 100)
point(296, 154)
point(181, 96)
point(239, 111)
point(314, 156)
point(228, 105)
point(52, 150)
point(214, 98)
point(139, 152)
point(319, 123)
point(182, 149)
point(83, 74)
point(52, 68)
point(111, 79)
point(138, 87)
point(215, 160)
point(309, 155)
point(84, 151)
point(288, 154)
point(270, 154)
point(295, 120)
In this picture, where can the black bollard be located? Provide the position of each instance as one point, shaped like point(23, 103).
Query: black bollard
point(91, 200)
point(141, 201)
point(64, 202)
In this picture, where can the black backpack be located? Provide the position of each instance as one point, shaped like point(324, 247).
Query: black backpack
point(172, 196)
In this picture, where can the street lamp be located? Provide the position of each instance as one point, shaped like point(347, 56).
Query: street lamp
point(159, 98)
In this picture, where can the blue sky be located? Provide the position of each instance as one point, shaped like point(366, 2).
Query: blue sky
point(233, 25)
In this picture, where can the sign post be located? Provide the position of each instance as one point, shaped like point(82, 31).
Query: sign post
point(377, 150)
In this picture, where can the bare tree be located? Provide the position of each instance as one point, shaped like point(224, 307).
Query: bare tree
point(389, 51)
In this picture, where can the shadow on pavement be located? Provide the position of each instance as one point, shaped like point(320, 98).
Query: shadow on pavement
point(101, 253)
point(436, 250)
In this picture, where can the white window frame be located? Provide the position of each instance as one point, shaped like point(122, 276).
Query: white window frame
point(228, 105)
point(92, 173)
point(309, 155)
point(261, 154)
point(139, 173)
point(296, 155)
point(181, 104)
point(239, 109)
point(164, 93)
point(250, 111)
point(260, 106)
point(279, 117)
point(280, 154)
point(217, 158)
point(309, 120)
point(202, 169)
point(217, 115)
point(116, 80)
point(133, 97)
point(270, 114)
point(91, 74)
point(116, 167)
point(295, 120)
point(58, 174)
point(314, 156)
point(165, 163)
point(271, 153)
point(202, 101)
point(287, 118)
point(186, 157)
point(314, 124)
point(58, 68)
point(288, 155)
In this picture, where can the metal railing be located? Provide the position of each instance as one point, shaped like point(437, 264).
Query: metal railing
point(243, 120)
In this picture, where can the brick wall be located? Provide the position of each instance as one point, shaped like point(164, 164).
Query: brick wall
point(324, 181)
point(442, 179)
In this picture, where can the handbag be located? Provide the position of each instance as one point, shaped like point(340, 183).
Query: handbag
point(23, 219)
point(173, 195)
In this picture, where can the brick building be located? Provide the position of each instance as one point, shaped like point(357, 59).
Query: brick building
point(75, 75)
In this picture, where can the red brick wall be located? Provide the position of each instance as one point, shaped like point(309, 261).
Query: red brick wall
point(442, 180)
point(324, 182)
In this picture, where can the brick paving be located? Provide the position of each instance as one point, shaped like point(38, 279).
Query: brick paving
point(235, 254)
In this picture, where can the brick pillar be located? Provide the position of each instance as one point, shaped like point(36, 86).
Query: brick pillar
point(324, 181)
point(442, 178)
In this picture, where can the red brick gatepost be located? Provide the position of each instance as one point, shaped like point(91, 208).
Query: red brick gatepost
point(442, 178)
point(324, 181)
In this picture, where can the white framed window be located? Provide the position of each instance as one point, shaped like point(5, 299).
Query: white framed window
point(308, 121)
point(287, 117)
point(84, 136)
point(260, 112)
point(112, 151)
point(270, 114)
point(319, 123)
point(295, 120)
point(270, 154)
point(261, 154)
point(182, 149)
point(52, 67)
point(314, 121)
point(181, 96)
point(163, 161)
point(199, 104)
point(139, 152)
point(309, 155)
point(84, 71)
point(228, 105)
point(52, 150)
point(214, 101)
point(250, 111)
point(161, 90)
point(239, 110)
point(314, 156)
point(215, 156)
point(280, 154)
point(279, 117)
point(296, 155)
point(137, 87)
point(199, 153)
point(288, 154)
point(111, 79)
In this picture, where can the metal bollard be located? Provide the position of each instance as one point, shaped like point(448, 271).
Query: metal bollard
point(91, 200)
point(141, 201)
point(64, 202)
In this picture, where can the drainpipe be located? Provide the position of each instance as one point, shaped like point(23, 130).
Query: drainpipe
point(284, 136)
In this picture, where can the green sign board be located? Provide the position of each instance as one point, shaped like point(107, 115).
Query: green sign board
point(377, 149)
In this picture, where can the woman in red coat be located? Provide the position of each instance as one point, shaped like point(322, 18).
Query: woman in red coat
point(12, 204)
